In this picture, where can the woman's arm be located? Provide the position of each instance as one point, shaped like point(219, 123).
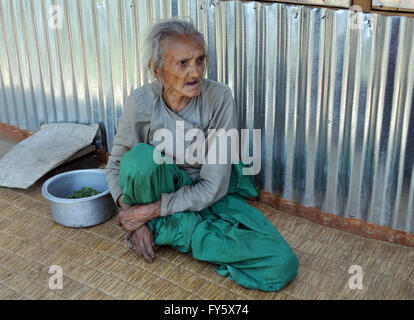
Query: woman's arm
point(133, 127)
point(214, 178)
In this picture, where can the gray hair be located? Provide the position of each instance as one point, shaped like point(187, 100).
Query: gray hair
point(154, 52)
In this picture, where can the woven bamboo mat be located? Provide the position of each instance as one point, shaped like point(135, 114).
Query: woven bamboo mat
point(96, 263)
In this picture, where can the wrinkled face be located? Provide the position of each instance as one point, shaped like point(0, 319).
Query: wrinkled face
point(183, 67)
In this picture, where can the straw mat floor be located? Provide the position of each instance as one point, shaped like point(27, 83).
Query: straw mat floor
point(97, 264)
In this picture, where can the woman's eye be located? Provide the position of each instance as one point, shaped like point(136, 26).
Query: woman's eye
point(182, 63)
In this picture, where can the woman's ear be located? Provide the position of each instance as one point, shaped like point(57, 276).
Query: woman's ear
point(156, 73)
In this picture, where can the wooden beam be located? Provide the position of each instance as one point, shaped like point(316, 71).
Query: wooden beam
point(364, 4)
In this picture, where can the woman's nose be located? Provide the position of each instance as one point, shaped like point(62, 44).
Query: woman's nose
point(195, 70)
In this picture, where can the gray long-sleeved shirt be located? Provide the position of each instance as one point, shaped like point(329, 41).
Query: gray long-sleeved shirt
point(145, 111)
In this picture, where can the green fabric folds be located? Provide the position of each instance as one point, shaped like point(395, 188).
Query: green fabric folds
point(233, 235)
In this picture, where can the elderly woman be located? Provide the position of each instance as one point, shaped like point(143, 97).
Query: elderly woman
point(194, 207)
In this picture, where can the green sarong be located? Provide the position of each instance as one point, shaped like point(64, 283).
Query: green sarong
point(232, 234)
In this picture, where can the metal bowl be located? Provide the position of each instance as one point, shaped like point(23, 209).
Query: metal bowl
point(81, 212)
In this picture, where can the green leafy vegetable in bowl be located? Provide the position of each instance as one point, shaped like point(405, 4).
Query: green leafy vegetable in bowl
point(83, 193)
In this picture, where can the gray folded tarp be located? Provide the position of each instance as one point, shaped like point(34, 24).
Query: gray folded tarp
point(36, 155)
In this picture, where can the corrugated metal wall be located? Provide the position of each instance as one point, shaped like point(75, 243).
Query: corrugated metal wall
point(336, 103)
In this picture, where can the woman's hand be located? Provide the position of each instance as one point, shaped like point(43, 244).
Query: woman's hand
point(140, 239)
point(121, 204)
point(134, 217)
point(143, 242)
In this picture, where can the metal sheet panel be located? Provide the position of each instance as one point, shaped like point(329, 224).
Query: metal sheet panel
point(332, 90)
point(331, 3)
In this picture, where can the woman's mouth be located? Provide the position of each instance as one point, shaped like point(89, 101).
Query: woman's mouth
point(192, 83)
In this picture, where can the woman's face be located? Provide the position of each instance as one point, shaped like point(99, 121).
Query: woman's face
point(183, 67)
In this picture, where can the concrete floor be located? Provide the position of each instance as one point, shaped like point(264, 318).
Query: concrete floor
point(6, 144)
